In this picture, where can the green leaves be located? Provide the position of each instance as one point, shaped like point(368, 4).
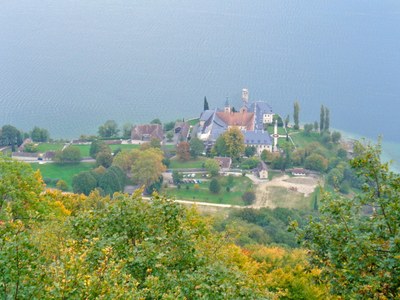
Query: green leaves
point(356, 241)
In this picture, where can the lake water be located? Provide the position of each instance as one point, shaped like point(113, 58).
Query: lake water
point(69, 65)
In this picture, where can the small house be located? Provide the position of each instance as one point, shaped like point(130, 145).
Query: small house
point(147, 132)
point(224, 162)
point(262, 170)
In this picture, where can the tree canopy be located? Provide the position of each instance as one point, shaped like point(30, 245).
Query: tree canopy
point(356, 240)
point(109, 129)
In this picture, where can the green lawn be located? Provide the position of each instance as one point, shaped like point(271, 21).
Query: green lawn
point(281, 130)
point(44, 147)
point(301, 139)
point(190, 164)
point(193, 122)
point(202, 194)
point(64, 172)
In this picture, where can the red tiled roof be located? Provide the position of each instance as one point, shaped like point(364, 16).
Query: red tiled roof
point(243, 119)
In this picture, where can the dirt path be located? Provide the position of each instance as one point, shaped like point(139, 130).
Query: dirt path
point(304, 185)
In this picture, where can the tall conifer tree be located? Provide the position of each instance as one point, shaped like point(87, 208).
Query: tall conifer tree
point(206, 103)
point(326, 126)
point(296, 115)
point(322, 119)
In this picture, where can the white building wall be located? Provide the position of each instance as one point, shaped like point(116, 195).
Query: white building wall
point(268, 118)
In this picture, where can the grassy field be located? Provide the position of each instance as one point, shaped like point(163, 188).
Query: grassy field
point(44, 147)
point(282, 197)
point(301, 139)
point(64, 172)
point(202, 194)
point(281, 130)
point(177, 164)
point(193, 122)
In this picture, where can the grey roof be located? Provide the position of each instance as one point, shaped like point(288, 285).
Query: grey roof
point(262, 166)
point(205, 115)
point(257, 138)
point(260, 108)
point(219, 127)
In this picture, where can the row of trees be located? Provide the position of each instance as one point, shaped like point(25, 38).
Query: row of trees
point(13, 137)
point(324, 122)
point(106, 181)
point(191, 149)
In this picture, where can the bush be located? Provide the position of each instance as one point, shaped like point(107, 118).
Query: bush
point(249, 197)
point(215, 186)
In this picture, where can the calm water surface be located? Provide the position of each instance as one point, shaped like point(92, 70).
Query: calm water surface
point(69, 65)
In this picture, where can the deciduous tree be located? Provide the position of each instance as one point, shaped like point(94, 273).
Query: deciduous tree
point(183, 151)
point(196, 147)
point(109, 129)
point(98, 146)
point(215, 186)
point(148, 167)
point(234, 141)
point(71, 154)
point(39, 134)
point(212, 167)
point(356, 241)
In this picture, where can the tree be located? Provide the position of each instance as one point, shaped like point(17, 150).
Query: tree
point(109, 129)
point(183, 151)
point(215, 186)
point(250, 151)
point(248, 197)
point(84, 183)
point(315, 126)
point(212, 167)
point(31, 148)
point(296, 113)
point(277, 118)
point(250, 163)
point(234, 141)
point(127, 130)
point(326, 125)
point(316, 162)
point(62, 185)
point(336, 136)
point(125, 159)
point(104, 159)
point(196, 147)
point(156, 121)
point(219, 147)
point(308, 128)
point(148, 167)
point(71, 154)
point(169, 126)
point(169, 136)
point(98, 146)
point(39, 134)
point(10, 136)
point(176, 177)
point(322, 119)
point(155, 143)
point(287, 119)
point(113, 180)
point(356, 241)
point(206, 104)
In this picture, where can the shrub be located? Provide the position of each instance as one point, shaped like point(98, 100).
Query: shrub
point(248, 197)
point(215, 186)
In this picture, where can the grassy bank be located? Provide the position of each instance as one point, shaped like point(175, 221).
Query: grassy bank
point(64, 172)
point(200, 192)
